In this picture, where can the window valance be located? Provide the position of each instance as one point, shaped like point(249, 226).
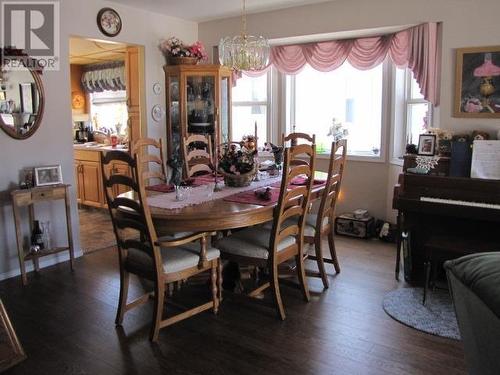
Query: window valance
point(100, 77)
point(416, 48)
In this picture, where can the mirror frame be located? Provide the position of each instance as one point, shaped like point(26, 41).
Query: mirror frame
point(36, 74)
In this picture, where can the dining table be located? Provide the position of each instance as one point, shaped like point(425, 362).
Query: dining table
point(206, 211)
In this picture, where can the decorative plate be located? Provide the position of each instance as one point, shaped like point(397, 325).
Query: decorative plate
point(157, 113)
point(109, 22)
point(157, 88)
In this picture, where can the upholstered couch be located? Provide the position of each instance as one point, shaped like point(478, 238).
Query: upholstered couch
point(475, 286)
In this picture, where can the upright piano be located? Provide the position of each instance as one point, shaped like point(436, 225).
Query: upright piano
point(463, 211)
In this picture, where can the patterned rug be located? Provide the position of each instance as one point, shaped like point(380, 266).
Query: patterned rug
point(437, 317)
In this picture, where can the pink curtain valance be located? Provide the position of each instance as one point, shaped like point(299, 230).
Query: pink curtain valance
point(416, 47)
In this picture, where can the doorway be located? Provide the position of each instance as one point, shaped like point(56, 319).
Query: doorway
point(108, 112)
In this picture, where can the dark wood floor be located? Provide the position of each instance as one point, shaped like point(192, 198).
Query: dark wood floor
point(65, 322)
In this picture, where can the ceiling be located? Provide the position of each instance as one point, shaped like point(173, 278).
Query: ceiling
point(87, 51)
point(205, 10)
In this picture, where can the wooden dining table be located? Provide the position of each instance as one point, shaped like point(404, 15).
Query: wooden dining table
point(217, 214)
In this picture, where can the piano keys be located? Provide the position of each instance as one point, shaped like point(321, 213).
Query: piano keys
point(463, 210)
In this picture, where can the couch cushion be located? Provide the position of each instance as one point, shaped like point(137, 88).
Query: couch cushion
point(481, 274)
point(174, 259)
point(251, 242)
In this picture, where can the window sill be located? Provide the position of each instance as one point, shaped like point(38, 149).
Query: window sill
point(365, 158)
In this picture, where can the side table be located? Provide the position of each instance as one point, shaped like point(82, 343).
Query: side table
point(28, 198)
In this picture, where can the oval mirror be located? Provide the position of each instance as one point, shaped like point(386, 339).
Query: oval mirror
point(21, 101)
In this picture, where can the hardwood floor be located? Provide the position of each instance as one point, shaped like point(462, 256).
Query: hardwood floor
point(65, 322)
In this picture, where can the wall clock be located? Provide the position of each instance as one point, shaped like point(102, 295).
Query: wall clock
point(109, 22)
point(77, 100)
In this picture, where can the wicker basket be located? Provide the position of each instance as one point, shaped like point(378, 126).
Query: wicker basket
point(238, 180)
point(176, 60)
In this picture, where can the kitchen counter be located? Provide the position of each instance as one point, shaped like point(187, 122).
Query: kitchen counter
point(92, 146)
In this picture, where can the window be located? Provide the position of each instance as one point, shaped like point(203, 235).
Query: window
point(108, 110)
point(349, 95)
point(418, 110)
point(250, 101)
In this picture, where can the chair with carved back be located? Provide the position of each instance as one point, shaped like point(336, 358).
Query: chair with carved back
point(297, 138)
point(198, 157)
point(153, 163)
point(163, 260)
point(293, 139)
point(268, 247)
point(322, 223)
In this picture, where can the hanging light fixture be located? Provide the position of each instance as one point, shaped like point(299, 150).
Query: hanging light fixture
point(244, 52)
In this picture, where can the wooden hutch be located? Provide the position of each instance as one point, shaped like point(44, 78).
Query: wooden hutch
point(198, 101)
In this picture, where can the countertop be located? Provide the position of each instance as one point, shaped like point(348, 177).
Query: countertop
point(92, 146)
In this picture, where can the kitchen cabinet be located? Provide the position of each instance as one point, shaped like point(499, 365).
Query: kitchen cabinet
point(88, 176)
point(198, 102)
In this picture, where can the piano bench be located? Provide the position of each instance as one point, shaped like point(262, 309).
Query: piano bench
point(440, 248)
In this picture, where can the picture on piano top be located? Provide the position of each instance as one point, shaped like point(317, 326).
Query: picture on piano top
point(477, 86)
point(427, 144)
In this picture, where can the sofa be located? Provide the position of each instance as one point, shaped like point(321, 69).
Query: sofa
point(474, 282)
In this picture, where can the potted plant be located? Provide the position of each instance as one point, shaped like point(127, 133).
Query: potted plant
point(237, 163)
point(177, 53)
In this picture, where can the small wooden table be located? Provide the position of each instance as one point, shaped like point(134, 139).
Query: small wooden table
point(28, 198)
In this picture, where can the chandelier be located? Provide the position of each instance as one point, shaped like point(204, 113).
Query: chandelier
point(244, 52)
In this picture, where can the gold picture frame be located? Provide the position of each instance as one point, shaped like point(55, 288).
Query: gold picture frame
point(11, 351)
point(477, 82)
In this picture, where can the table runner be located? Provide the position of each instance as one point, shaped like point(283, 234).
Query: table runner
point(200, 194)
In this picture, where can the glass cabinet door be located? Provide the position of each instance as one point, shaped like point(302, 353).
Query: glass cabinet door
point(200, 104)
point(174, 118)
point(224, 110)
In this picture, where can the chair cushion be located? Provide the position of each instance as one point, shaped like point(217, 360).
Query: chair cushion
point(174, 259)
point(252, 242)
point(481, 274)
point(310, 228)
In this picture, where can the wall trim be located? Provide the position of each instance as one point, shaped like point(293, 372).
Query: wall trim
point(44, 263)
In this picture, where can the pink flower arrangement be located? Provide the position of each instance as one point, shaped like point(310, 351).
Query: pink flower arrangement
point(176, 48)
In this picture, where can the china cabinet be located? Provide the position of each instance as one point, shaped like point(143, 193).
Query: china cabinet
point(198, 102)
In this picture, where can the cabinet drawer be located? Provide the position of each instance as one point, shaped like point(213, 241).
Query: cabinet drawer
point(55, 193)
point(88, 155)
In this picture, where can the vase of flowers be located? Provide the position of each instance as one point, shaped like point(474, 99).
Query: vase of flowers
point(178, 53)
point(237, 164)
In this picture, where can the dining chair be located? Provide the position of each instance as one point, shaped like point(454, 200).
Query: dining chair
point(163, 260)
point(152, 161)
point(294, 138)
point(322, 223)
point(268, 247)
point(198, 157)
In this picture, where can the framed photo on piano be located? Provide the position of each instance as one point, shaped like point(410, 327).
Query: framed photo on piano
point(427, 144)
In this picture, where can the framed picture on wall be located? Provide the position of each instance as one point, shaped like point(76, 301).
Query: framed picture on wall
point(427, 144)
point(477, 83)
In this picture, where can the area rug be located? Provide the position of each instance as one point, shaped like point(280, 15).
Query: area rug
point(437, 317)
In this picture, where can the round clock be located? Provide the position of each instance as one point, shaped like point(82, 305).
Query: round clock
point(109, 22)
point(77, 100)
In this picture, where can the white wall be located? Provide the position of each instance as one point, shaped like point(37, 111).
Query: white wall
point(52, 143)
point(466, 23)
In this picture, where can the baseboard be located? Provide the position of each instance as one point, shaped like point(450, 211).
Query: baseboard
point(44, 262)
